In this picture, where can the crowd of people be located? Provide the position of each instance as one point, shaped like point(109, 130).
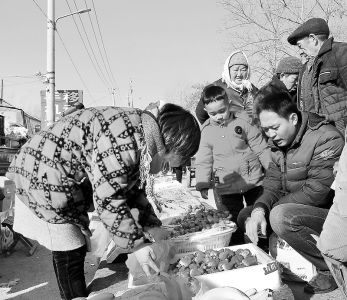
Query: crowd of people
point(270, 154)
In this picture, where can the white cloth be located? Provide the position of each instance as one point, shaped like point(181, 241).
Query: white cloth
point(55, 237)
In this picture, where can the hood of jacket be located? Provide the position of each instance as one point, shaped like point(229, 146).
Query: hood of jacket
point(226, 74)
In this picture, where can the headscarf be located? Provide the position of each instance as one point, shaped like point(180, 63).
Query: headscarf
point(246, 84)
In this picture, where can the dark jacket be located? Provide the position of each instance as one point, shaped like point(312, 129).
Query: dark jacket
point(329, 83)
point(277, 86)
point(303, 173)
point(239, 101)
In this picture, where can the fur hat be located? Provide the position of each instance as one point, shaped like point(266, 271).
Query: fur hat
point(238, 59)
point(289, 65)
point(314, 25)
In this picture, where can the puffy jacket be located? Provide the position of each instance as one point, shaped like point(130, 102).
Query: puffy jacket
point(106, 143)
point(236, 151)
point(303, 173)
point(240, 101)
point(329, 84)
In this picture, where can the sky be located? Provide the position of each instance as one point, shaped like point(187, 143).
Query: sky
point(158, 47)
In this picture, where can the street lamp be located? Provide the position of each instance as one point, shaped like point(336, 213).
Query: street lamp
point(51, 27)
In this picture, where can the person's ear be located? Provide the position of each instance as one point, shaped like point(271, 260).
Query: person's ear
point(294, 118)
point(313, 38)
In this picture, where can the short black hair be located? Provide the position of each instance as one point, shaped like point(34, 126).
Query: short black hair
point(213, 93)
point(280, 103)
point(180, 130)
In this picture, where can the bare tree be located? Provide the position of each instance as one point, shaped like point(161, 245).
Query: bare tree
point(261, 27)
point(189, 96)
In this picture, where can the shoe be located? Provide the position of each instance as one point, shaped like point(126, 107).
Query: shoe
point(322, 283)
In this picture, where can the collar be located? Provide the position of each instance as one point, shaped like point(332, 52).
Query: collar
point(326, 47)
point(153, 138)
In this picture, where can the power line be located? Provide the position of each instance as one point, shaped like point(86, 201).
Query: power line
point(97, 43)
point(38, 6)
point(85, 86)
point(78, 73)
point(90, 45)
point(85, 47)
point(102, 41)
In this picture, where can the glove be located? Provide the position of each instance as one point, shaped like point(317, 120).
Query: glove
point(255, 223)
point(145, 256)
point(157, 233)
point(204, 193)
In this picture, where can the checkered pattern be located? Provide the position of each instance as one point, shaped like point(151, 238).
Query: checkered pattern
point(104, 142)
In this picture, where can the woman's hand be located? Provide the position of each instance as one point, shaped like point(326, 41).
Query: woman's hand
point(145, 256)
point(157, 233)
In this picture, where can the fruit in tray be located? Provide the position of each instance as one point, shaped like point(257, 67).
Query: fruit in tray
point(198, 219)
point(212, 261)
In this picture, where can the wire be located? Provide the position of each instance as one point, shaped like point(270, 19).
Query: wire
point(102, 41)
point(86, 48)
point(78, 73)
point(90, 45)
point(40, 9)
point(97, 43)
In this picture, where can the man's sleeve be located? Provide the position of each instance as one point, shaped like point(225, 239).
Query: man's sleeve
point(204, 164)
point(272, 188)
point(320, 172)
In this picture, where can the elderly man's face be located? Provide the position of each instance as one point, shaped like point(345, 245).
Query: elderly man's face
point(281, 130)
point(308, 45)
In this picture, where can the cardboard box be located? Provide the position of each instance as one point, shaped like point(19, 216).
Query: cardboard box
point(265, 275)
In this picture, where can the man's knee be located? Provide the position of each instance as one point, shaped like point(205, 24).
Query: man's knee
point(277, 219)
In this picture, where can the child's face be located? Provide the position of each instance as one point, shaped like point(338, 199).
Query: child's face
point(218, 110)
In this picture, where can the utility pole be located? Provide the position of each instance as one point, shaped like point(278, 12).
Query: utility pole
point(50, 89)
point(50, 75)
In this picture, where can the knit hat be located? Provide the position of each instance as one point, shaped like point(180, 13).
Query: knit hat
point(238, 59)
point(289, 65)
point(312, 26)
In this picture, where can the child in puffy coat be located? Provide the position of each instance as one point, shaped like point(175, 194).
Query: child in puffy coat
point(232, 156)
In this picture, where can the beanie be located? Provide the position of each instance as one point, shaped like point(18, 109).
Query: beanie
point(238, 59)
point(311, 26)
point(289, 65)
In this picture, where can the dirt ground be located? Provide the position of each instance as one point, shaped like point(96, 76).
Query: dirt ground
point(36, 279)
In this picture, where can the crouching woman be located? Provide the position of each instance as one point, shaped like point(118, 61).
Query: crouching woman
point(118, 148)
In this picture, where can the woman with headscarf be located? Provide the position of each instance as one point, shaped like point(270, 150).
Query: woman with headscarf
point(235, 81)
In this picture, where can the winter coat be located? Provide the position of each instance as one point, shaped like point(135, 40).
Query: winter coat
point(236, 151)
point(329, 83)
point(277, 86)
point(333, 240)
point(303, 172)
point(241, 100)
point(107, 143)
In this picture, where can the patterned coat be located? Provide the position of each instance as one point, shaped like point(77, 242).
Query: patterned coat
point(104, 142)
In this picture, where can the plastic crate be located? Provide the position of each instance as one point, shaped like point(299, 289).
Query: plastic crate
point(339, 272)
point(218, 237)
